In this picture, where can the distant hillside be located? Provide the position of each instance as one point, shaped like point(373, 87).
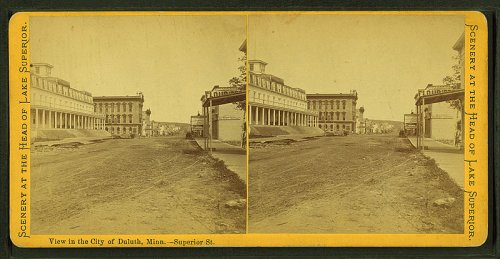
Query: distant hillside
point(183, 126)
point(396, 125)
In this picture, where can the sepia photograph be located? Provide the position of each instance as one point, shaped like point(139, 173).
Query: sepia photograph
point(356, 124)
point(138, 124)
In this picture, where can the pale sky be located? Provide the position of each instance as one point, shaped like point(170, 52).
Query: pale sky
point(171, 59)
point(385, 58)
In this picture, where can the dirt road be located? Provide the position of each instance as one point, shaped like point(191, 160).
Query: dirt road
point(352, 184)
point(133, 186)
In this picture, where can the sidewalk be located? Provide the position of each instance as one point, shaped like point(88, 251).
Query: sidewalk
point(235, 158)
point(295, 137)
point(81, 140)
point(447, 157)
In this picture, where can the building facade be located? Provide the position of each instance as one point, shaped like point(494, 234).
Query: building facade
point(272, 103)
point(123, 114)
point(146, 123)
point(336, 112)
point(459, 47)
point(439, 118)
point(197, 125)
point(55, 105)
point(227, 120)
point(360, 121)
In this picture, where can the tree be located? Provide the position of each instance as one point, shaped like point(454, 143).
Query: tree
point(455, 81)
point(240, 82)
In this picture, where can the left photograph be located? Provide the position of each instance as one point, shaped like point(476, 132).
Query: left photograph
point(138, 124)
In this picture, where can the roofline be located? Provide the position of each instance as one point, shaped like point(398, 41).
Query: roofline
point(111, 97)
point(339, 94)
point(42, 64)
point(243, 46)
point(459, 43)
point(257, 60)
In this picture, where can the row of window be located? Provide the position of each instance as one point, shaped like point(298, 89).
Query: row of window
point(119, 118)
point(53, 86)
point(276, 87)
point(326, 104)
point(120, 131)
point(337, 127)
point(49, 101)
point(266, 99)
point(330, 115)
point(112, 107)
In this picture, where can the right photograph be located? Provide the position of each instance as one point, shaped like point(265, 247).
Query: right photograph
point(355, 123)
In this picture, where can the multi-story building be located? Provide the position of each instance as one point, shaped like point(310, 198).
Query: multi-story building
point(197, 125)
point(459, 47)
point(227, 119)
point(360, 121)
point(272, 103)
point(146, 123)
point(123, 113)
point(440, 119)
point(55, 105)
point(336, 112)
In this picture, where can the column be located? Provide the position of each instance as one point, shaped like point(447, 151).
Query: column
point(263, 115)
point(50, 119)
point(250, 115)
point(274, 117)
point(279, 118)
point(256, 115)
point(268, 116)
point(55, 120)
point(36, 119)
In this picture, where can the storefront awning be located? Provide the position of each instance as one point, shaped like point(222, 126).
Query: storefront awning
point(223, 99)
point(441, 97)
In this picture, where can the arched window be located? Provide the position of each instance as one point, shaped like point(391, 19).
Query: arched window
point(118, 107)
point(130, 118)
point(130, 107)
point(117, 118)
point(124, 118)
point(118, 130)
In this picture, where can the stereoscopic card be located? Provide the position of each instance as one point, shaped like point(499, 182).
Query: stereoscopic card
point(242, 129)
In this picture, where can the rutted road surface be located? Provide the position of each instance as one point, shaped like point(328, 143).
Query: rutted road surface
point(352, 184)
point(133, 186)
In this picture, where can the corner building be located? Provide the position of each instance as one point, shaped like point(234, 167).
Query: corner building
point(55, 105)
point(123, 114)
point(272, 103)
point(336, 112)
